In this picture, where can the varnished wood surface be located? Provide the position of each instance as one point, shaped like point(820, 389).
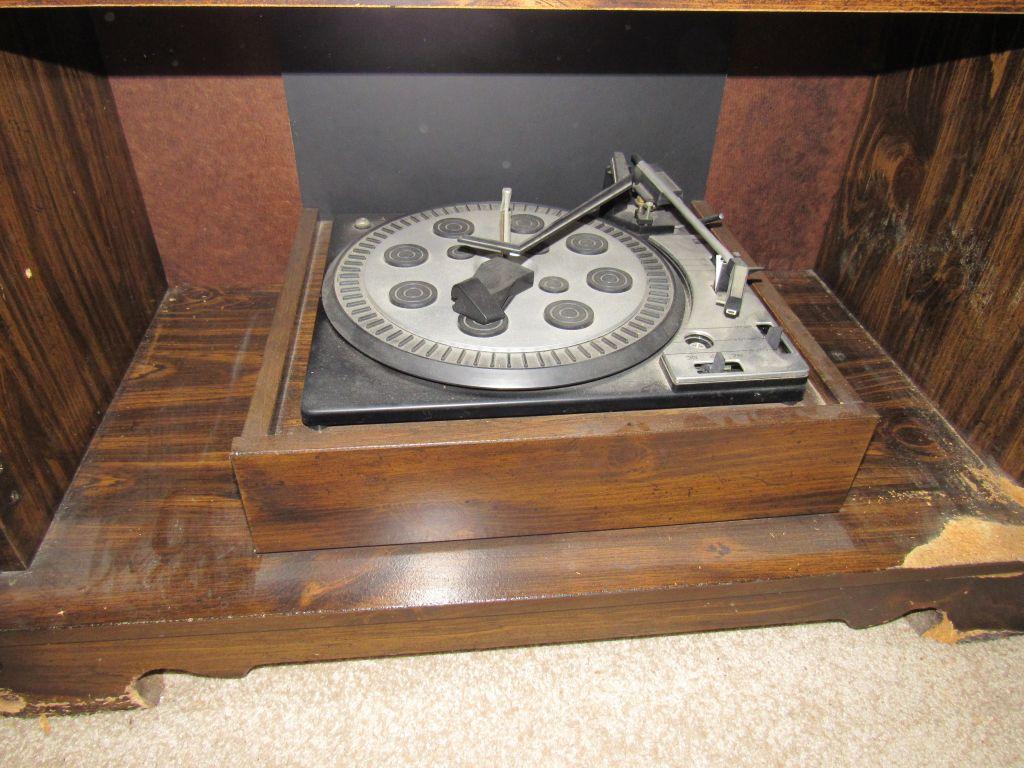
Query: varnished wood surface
point(641, 469)
point(829, 6)
point(70, 677)
point(272, 381)
point(287, 418)
point(481, 478)
point(924, 244)
point(149, 565)
point(80, 277)
point(153, 533)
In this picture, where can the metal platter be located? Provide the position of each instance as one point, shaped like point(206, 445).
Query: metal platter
point(602, 300)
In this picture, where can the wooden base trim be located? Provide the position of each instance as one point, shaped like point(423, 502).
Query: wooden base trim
point(156, 488)
point(66, 677)
point(140, 693)
point(781, 6)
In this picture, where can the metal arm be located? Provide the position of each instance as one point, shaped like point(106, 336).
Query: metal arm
point(556, 227)
point(652, 177)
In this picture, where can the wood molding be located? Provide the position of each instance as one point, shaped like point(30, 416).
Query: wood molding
point(782, 6)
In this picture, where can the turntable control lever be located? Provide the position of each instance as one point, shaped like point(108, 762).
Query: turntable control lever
point(713, 221)
point(648, 175)
point(737, 284)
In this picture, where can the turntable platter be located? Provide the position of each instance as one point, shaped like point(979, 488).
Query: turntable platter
point(602, 300)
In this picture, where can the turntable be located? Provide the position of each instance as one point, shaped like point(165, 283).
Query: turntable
point(509, 308)
point(505, 368)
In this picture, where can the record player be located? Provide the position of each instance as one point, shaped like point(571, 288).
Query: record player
point(629, 301)
point(505, 368)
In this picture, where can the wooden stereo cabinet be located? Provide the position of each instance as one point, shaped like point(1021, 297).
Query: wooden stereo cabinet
point(152, 334)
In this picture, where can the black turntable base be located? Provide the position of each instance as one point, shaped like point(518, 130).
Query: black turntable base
point(345, 386)
point(518, 309)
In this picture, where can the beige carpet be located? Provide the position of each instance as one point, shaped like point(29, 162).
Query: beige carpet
point(815, 695)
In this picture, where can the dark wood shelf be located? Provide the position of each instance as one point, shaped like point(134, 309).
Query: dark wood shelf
point(780, 6)
point(149, 565)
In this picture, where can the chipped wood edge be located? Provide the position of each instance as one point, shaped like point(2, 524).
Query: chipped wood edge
point(967, 540)
point(936, 625)
point(141, 693)
point(1003, 484)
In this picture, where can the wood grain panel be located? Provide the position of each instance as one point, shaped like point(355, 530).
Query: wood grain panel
point(640, 470)
point(9, 558)
point(793, 99)
point(150, 563)
point(79, 274)
point(52, 678)
point(156, 490)
point(202, 102)
point(829, 6)
point(924, 244)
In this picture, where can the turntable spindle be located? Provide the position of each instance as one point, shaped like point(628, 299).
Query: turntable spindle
point(504, 216)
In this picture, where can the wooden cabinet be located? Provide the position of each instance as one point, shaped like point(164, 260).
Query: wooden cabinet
point(893, 176)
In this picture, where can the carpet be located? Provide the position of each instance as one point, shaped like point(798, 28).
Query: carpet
point(788, 696)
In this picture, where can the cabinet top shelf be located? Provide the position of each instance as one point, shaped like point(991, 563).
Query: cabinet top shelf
point(830, 6)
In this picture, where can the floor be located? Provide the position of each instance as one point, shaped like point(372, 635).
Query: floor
point(812, 695)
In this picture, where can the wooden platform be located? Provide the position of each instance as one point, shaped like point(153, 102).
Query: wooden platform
point(149, 565)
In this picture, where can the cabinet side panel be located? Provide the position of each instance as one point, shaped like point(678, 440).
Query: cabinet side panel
point(80, 278)
point(924, 242)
